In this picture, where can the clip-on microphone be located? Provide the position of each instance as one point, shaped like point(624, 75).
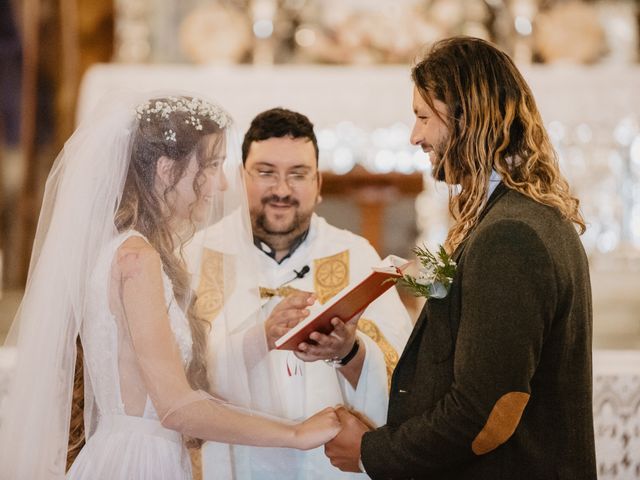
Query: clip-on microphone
point(299, 274)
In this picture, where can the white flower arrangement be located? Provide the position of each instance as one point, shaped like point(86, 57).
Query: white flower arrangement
point(435, 275)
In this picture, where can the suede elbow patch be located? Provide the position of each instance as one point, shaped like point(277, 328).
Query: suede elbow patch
point(502, 422)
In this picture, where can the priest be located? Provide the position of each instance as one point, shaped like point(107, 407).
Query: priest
point(294, 252)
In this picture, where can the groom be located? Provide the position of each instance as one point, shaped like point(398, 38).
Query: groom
point(495, 380)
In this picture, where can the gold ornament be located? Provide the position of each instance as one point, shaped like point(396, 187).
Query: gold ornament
point(331, 275)
point(210, 291)
point(371, 330)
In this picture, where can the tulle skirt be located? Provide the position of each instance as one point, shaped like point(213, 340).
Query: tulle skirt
point(132, 448)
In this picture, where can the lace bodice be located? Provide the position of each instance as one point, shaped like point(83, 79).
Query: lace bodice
point(102, 339)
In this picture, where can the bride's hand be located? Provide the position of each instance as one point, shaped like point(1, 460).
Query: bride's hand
point(316, 430)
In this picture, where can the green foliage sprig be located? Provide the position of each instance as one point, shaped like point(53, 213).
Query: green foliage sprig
point(435, 275)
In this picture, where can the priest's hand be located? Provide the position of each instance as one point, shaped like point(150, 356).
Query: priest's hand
point(334, 346)
point(286, 315)
point(341, 345)
point(344, 449)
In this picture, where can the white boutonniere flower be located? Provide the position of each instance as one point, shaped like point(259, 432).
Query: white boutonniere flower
point(435, 275)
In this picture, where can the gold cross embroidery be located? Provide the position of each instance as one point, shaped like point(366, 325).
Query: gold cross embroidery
point(278, 292)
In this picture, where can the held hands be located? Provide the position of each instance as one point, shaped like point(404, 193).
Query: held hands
point(344, 450)
point(339, 430)
point(336, 345)
point(286, 315)
point(316, 430)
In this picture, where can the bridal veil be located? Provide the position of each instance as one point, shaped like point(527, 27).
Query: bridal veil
point(76, 224)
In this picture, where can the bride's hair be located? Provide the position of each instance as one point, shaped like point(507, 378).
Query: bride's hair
point(176, 133)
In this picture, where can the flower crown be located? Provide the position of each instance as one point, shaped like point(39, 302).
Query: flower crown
point(198, 109)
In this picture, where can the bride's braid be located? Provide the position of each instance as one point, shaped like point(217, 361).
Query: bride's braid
point(174, 128)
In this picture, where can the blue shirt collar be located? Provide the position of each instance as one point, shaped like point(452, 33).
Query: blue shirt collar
point(494, 181)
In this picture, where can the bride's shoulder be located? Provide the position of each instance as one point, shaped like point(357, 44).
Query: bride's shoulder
point(136, 255)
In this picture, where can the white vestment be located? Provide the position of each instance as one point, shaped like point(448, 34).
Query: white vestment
point(336, 258)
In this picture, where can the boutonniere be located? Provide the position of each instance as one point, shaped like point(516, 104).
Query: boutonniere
point(435, 275)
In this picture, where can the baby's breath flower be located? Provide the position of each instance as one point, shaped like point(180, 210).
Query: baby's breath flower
point(170, 136)
point(198, 109)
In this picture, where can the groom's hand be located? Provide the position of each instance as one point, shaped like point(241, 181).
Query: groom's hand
point(344, 449)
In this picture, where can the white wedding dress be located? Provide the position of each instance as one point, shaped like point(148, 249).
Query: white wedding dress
point(126, 439)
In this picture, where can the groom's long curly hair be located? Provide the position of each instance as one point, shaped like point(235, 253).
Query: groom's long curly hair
point(143, 209)
point(494, 124)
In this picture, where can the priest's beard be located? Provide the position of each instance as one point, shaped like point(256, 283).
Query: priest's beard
point(280, 237)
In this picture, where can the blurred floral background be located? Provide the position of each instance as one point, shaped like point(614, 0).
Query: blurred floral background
point(580, 57)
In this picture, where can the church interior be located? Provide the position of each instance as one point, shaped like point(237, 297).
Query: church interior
point(346, 64)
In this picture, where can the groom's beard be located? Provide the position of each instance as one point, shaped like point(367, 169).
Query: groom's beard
point(438, 171)
point(437, 163)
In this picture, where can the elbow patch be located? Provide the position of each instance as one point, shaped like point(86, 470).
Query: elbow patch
point(502, 422)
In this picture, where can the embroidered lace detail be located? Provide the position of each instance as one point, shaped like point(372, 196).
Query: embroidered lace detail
point(100, 335)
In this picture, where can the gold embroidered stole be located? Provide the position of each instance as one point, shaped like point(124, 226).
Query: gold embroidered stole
point(278, 292)
point(211, 287)
point(331, 275)
point(391, 357)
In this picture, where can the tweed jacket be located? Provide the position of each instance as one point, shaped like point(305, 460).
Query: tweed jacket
point(495, 380)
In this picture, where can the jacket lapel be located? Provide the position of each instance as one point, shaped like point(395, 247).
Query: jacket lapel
point(416, 328)
point(498, 193)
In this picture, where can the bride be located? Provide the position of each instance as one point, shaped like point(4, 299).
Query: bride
point(127, 192)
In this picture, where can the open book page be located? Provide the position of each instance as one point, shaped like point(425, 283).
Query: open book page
point(345, 304)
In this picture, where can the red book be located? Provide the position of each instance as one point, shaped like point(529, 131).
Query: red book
point(346, 304)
